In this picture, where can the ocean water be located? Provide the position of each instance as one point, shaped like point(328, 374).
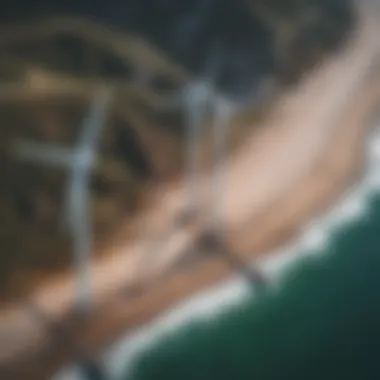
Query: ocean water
point(319, 320)
point(322, 322)
point(320, 317)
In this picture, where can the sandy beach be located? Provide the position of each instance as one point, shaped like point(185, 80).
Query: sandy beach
point(300, 160)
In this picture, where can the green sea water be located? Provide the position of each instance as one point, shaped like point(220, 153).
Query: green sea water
point(323, 322)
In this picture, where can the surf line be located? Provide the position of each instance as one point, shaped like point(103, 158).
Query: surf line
point(211, 303)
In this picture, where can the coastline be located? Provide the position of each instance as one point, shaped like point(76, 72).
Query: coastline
point(327, 176)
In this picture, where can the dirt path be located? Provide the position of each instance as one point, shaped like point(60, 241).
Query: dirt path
point(302, 158)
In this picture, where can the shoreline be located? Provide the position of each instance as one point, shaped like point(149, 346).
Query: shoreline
point(177, 287)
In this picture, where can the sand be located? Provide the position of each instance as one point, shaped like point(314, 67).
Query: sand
point(300, 161)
